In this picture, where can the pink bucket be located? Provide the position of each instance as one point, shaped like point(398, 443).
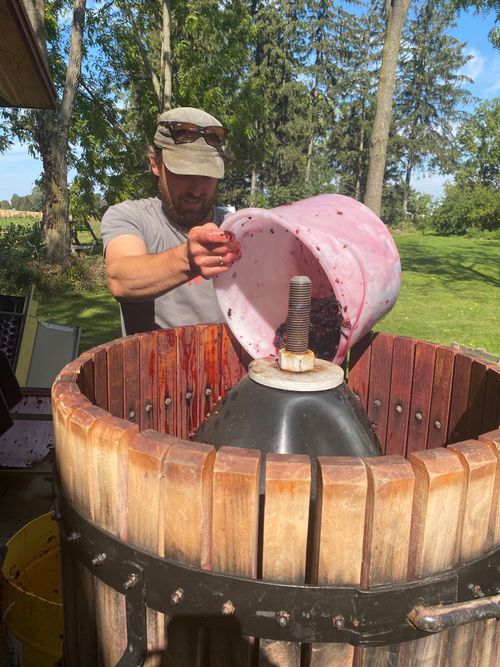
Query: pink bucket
point(344, 248)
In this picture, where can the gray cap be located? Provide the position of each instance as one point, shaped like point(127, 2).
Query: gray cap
point(195, 159)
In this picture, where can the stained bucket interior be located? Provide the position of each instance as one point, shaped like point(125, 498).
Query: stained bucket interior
point(273, 253)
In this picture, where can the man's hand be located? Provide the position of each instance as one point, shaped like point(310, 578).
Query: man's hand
point(211, 250)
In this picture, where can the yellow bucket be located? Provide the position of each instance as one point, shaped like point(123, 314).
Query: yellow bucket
point(32, 610)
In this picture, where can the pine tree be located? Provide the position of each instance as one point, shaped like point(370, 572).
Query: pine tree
point(430, 90)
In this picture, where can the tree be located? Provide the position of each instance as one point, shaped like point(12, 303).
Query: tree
point(47, 131)
point(429, 91)
point(478, 141)
point(396, 11)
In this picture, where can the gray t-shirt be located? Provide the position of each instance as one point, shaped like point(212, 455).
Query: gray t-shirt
point(193, 302)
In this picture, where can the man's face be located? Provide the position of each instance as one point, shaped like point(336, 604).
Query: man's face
point(187, 200)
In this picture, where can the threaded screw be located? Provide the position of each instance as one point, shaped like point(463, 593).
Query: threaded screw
point(299, 311)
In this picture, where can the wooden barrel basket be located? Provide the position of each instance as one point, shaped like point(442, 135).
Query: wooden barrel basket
point(170, 549)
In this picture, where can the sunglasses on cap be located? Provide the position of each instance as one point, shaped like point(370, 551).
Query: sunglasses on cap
point(185, 133)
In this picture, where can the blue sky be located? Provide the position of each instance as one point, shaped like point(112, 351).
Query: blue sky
point(19, 170)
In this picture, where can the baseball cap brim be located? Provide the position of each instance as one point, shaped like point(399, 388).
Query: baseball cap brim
point(196, 159)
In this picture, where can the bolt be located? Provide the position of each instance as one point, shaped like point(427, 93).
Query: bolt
point(189, 395)
point(399, 408)
point(419, 416)
point(339, 622)
point(177, 596)
point(299, 311)
point(437, 425)
point(228, 608)
point(131, 414)
point(476, 591)
point(131, 581)
point(74, 537)
point(149, 407)
point(208, 391)
point(282, 618)
point(168, 401)
point(377, 403)
point(99, 559)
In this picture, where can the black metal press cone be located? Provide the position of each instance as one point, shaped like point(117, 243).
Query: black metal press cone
point(317, 423)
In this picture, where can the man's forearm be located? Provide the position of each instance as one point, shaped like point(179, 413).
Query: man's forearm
point(148, 276)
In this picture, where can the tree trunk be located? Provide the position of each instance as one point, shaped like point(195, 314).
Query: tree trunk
point(166, 58)
point(52, 136)
point(396, 15)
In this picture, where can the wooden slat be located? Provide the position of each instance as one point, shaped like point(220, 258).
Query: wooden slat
point(148, 374)
point(403, 354)
point(66, 396)
point(101, 376)
point(79, 436)
point(492, 439)
point(387, 539)
point(78, 628)
point(109, 442)
point(145, 465)
point(186, 531)
point(476, 398)
point(209, 376)
point(359, 368)
point(187, 385)
point(480, 465)
point(234, 539)
point(168, 409)
point(457, 426)
point(286, 523)
point(86, 379)
point(231, 370)
point(338, 544)
point(423, 373)
point(441, 397)
point(132, 374)
point(439, 486)
point(115, 379)
point(491, 405)
point(380, 384)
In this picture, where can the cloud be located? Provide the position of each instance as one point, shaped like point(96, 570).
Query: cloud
point(473, 68)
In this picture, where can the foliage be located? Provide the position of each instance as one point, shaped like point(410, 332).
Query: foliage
point(5, 204)
point(478, 139)
point(430, 90)
point(31, 202)
point(465, 209)
point(23, 261)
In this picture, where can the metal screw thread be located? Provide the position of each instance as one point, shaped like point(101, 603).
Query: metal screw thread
point(299, 311)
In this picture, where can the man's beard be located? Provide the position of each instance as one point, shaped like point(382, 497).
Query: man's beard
point(185, 219)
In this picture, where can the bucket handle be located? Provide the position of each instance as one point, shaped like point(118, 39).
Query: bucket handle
point(438, 618)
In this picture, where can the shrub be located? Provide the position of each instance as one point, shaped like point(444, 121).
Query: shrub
point(23, 262)
point(467, 210)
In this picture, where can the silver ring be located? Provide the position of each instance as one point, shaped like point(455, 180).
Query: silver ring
point(221, 261)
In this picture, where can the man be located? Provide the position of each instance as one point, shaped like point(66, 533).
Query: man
point(162, 252)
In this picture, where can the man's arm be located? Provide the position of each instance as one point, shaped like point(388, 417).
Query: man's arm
point(132, 273)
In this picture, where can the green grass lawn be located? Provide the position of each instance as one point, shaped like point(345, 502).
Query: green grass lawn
point(450, 293)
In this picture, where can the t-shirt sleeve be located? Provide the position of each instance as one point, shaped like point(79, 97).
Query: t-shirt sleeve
point(119, 220)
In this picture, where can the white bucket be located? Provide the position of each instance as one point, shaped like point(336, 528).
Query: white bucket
point(344, 248)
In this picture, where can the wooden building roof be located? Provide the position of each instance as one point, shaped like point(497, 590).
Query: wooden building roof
point(24, 75)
